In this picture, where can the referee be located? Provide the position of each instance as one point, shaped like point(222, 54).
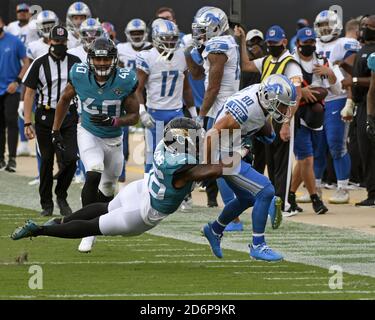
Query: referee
point(48, 75)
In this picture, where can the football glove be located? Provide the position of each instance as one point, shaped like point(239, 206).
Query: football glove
point(57, 140)
point(147, 120)
point(348, 111)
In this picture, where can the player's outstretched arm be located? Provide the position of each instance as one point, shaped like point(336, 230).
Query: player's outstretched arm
point(63, 106)
point(197, 173)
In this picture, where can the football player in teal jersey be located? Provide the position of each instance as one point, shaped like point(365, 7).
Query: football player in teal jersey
point(142, 204)
point(108, 102)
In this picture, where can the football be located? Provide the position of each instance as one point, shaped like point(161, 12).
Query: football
point(321, 93)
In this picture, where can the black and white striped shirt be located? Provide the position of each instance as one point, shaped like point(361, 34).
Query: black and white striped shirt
point(49, 76)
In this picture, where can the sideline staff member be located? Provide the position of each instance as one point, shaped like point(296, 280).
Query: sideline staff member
point(49, 75)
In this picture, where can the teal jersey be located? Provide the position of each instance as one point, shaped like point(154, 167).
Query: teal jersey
point(107, 99)
point(165, 198)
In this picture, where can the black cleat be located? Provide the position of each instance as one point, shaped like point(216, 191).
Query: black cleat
point(64, 207)
point(11, 166)
point(318, 206)
point(47, 211)
point(369, 203)
point(293, 204)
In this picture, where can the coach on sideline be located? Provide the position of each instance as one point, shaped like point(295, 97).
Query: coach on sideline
point(49, 75)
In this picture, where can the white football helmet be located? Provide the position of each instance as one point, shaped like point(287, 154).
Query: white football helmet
point(136, 25)
point(90, 30)
point(209, 22)
point(76, 9)
point(165, 37)
point(327, 25)
point(274, 91)
point(45, 21)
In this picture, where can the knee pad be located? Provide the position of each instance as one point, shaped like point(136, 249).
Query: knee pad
point(107, 189)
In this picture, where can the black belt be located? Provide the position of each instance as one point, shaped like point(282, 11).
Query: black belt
point(72, 107)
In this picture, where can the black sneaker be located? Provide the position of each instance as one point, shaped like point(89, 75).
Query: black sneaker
point(319, 206)
point(11, 166)
point(3, 164)
point(369, 203)
point(212, 204)
point(47, 211)
point(64, 207)
point(293, 203)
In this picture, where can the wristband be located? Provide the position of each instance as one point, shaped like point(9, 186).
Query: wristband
point(19, 80)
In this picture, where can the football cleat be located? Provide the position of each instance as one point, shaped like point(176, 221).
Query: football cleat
point(264, 252)
point(86, 244)
point(234, 226)
point(275, 213)
point(341, 196)
point(213, 239)
point(26, 231)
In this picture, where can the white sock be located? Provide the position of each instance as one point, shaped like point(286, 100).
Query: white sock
point(318, 183)
point(342, 184)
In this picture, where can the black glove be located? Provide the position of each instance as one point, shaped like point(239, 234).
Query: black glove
point(370, 127)
point(102, 120)
point(57, 140)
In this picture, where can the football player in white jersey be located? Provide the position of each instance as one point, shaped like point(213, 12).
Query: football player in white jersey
point(24, 27)
point(328, 27)
point(89, 30)
point(45, 21)
point(136, 37)
point(162, 70)
point(243, 115)
point(76, 14)
point(220, 64)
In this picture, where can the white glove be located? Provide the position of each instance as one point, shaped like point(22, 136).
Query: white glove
point(146, 119)
point(199, 120)
point(348, 111)
point(20, 109)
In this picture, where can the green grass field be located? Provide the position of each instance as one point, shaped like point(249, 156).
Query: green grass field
point(157, 267)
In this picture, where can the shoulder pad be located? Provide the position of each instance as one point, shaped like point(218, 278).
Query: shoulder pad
point(217, 45)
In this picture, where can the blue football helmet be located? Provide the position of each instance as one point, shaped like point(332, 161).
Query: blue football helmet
point(209, 22)
point(276, 91)
point(76, 9)
point(45, 21)
point(90, 30)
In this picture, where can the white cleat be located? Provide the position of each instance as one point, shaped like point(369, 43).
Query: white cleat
point(341, 196)
point(34, 182)
point(86, 244)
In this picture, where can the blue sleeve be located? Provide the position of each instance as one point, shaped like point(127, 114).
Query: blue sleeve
point(371, 62)
point(237, 110)
point(21, 50)
point(217, 47)
point(196, 56)
point(142, 64)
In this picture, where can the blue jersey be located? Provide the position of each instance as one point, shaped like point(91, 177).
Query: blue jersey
point(165, 198)
point(107, 99)
point(12, 51)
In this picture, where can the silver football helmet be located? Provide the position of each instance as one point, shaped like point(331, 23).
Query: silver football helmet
point(45, 21)
point(90, 30)
point(209, 22)
point(76, 9)
point(136, 32)
point(165, 37)
point(327, 25)
point(276, 91)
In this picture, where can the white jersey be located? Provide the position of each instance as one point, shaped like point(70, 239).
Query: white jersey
point(79, 52)
point(245, 108)
point(230, 82)
point(73, 42)
point(27, 33)
point(337, 50)
point(127, 55)
point(36, 49)
point(165, 81)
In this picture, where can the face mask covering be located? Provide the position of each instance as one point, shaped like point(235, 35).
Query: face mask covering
point(368, 34)
point(275, 51)
point(307, 50)
point(59, 50)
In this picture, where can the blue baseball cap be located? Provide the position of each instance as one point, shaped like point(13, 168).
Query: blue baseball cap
point(305, 34)
point(275, 33)
point(23, 7)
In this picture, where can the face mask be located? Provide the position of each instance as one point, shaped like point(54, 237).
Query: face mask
point(275, 51)
point(368, 34)
point(307, 50)
point(59, 50)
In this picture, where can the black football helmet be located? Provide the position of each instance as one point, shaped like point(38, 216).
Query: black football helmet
point(102, 47)
point(184, 135)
